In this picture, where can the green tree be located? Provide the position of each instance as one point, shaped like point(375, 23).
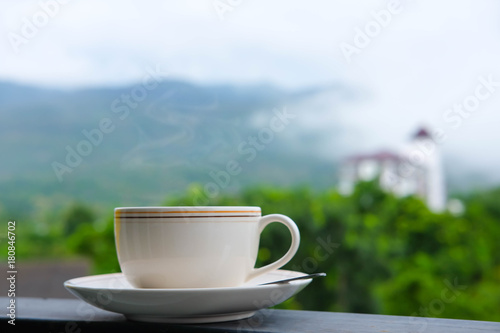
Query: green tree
point(75, 216)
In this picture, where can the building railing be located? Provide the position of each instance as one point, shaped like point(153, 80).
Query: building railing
point(76, 316)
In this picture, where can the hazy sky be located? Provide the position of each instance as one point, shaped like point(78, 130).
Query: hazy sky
point(411, 61)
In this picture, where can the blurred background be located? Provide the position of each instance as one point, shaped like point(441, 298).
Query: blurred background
point(373, 124)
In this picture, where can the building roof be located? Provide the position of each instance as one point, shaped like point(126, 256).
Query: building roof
point(422, 133)
point(385, 155)
point(379, 156)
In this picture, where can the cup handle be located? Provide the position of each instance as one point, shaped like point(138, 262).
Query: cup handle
point(294, 231)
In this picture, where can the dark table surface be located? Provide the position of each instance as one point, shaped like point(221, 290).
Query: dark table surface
point(75, 316)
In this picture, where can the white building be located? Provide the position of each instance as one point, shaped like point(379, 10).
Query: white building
point(415, 169)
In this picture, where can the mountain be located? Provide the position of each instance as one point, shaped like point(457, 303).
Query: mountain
point(138, 144)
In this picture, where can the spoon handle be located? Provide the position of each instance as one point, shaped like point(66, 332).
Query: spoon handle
point(303, 277)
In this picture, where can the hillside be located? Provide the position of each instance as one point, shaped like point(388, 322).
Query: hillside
point(121, 146)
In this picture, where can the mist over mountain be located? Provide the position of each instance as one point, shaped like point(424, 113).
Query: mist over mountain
point(138, 144)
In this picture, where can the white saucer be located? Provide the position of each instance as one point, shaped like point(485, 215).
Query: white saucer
point(112, 292)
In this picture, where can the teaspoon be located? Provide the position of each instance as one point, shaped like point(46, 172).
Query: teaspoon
point(303, 277)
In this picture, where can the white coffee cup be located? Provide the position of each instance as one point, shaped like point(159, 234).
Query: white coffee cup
point(194, 247)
